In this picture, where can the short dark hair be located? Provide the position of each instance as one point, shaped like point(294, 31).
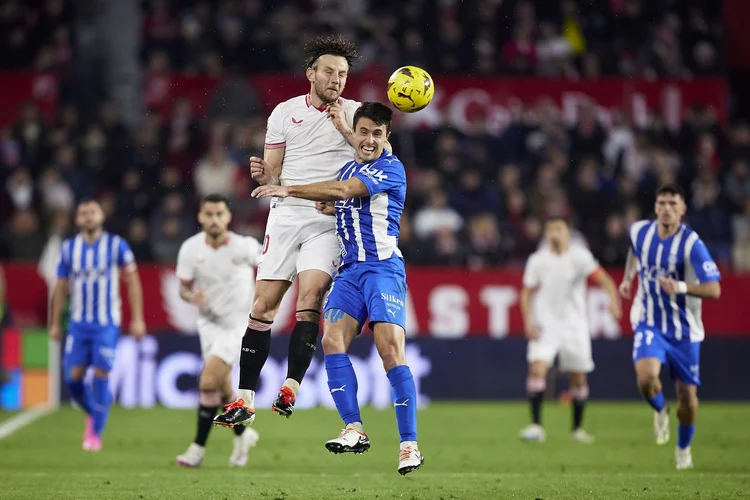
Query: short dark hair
point(671, 188)
point(215, 198)
point(86, 200)
point(378, 112)
point(335, 45)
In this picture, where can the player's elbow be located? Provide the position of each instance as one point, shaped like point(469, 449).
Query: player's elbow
point(344, 192)
point(714, 291)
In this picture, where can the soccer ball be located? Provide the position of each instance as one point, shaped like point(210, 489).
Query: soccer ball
point(410, 89)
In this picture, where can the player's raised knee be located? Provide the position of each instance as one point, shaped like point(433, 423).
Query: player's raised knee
point(648, 384)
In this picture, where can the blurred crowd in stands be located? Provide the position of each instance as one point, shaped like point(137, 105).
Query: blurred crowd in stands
point(474, 200)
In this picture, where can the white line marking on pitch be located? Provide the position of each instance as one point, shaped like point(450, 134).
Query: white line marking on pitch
point(21, 420)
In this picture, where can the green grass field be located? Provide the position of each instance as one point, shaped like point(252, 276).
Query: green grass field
point(471, 451)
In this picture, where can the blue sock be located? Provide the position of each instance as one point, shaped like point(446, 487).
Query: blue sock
point(657, 402)
point(80, 394)
point(342, 382)
point(685, 435)
point(102, 401)
point(404, 395)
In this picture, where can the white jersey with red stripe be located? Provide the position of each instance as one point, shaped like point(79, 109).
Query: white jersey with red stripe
point(315, 150)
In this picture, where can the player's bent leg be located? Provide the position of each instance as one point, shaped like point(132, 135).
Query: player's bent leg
point(687, 411)
point(390, 341)
point(256, 344)
point(647, 373)
point(579, 389)
point(81, 394)
point(303, 341)
point(340, 329)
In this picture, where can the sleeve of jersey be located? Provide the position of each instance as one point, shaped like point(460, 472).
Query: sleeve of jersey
point(125, 258)
point(530, 276)
point(703, 264)
point(63, 267)
point(589, 265)
point(275, 129)
point(382, 176)
point(185, 270)
point(253, 250)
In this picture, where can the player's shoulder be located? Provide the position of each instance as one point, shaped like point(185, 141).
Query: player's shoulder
point(691, 237)
point(389, 160)
point(237, 239)
point(291, 105)
point(193, 242)
point(639, 226)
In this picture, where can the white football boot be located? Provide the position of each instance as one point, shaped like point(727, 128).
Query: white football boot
point(661, 426)
point(193, 457)
point(533, 433)
point(409, 458)
point(242, 445)
point(683, 458)
point(581, 436)
point(349, 441)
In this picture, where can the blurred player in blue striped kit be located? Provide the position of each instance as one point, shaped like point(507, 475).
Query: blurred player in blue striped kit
point(371, 283)
point(90, 267)
point(675, 272)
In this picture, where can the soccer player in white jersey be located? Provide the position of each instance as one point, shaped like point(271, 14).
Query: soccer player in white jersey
point(215, 269)
point(371, 284)
point(90, 267)
point(307, 140)
point(675, 272)
point(556, 323)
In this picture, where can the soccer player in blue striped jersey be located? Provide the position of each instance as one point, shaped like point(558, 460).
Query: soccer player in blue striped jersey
point(371, 283)
point(90, 267)
point(675, 272)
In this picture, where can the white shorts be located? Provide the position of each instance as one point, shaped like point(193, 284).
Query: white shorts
point(573, 347)
point(296, 243)
point(222, 340)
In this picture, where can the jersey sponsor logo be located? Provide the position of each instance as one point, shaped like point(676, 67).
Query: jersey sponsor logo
point(654, 273)
point(296, 122)
point(90, 274)
point(710, 268)
point(375, 174)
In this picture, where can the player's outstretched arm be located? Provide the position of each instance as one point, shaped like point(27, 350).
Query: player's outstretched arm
point(135, 298)
point(604, 280)
point(58, 300)
point(319, 191)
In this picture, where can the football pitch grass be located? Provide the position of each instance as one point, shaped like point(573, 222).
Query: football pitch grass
point(471, 451)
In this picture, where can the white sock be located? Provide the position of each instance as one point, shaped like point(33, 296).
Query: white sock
point(357, 426)
point(407, 444)
point(292, 384)
point(248, 396)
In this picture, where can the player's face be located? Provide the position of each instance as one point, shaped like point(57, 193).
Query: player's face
point(89, 217)
point(214, 218)
point(328, 77)
point(369, 140)
point(669, 208)
point(557, 233)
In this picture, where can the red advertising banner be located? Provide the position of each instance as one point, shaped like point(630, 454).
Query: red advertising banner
point(459, 98)
point(18, 88)
point(442, 303)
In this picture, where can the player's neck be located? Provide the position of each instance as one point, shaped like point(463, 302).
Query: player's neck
point(559, 250)
point(91, 236)
point(667, 231)
point(316, 101)
point(217, 241)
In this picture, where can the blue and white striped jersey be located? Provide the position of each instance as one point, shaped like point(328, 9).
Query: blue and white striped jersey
point(93, 271)
point(682, 257)
point(368, 227)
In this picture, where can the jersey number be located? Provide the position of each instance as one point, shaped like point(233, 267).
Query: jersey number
point(639, 338)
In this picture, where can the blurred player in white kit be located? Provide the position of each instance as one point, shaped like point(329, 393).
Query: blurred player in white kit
point(215, 269)
point(307, 140)
point(556, 277)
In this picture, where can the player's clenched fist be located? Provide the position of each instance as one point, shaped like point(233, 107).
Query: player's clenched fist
point(325, 207)
point(338, 117)
point(626, 289)
point(261, 172)
point(270, 190)
point(55, 333)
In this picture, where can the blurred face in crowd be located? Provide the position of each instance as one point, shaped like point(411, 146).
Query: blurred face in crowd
point(669, 208)
point(214, 218)
point(89, 217)
point(557, 233)
point(328, 77)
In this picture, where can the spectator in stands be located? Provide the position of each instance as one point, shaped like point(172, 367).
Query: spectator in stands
point(22, 239)
point(612, 249)
point(436, 215)
point(139, 241)
point(56, 194)
point(487, 246)
point(216, 173)
point(166, 241)
point(711, 221)
point(473, 195)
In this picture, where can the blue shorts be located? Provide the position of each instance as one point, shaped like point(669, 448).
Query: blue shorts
point(370, 289)
point(682, 356)
point(90, 345)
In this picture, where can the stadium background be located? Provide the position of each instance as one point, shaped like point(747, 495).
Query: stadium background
point(542, 108)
